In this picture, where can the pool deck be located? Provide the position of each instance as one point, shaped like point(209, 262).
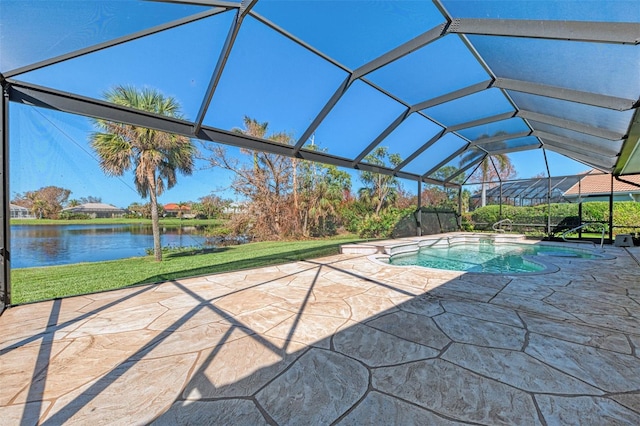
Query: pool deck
point(337, 340)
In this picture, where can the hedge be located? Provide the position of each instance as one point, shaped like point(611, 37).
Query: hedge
point(563, 216)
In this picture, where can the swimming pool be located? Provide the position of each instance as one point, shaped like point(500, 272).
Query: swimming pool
point(487, 256)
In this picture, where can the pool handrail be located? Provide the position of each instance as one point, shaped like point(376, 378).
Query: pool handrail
point(602, 225)
point(498, 225)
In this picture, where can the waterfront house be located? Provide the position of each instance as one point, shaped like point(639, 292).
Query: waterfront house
point(96, 210)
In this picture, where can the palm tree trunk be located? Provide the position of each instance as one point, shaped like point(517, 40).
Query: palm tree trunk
point(155, 220)
point(485, 178)
point(483, 197)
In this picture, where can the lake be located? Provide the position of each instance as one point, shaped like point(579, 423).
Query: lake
point(46, 245)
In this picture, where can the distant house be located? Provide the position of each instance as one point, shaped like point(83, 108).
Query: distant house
point(19, 212)
point(595, 186)
point(96, 210)
point(174, 210)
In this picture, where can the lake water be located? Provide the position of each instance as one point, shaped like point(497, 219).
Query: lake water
point(45, 245)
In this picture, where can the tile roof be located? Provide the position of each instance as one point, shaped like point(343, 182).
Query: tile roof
point(174, 206)
point(93, 207)
point(597, 183)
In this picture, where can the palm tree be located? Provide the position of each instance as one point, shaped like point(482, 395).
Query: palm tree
point(505, 169)
point(39, 207)
point(379, 190)
point(486, 170)
point(155, 156)
point(182, 206)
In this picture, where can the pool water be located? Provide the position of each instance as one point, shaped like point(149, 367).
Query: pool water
point(486, 257)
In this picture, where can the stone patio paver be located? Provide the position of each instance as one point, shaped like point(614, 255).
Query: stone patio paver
point(414, 328)
point(341, 339)
point(239, 412)
point(517, 369)
point(457, 393)
point(376, 348)
point(378, 408)
point(583, 410)
point(317, 389)
point(607, 370)
point(460, 328)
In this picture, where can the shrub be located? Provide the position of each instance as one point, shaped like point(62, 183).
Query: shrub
point(353, 214)
point(467, 222)
point(626, 213)
point(563, 216)
point(382, 225)
point(73, 216)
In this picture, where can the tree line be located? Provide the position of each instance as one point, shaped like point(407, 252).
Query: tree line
point(49, 202)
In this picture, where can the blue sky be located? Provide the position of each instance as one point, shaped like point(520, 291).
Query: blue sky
point(268, 77)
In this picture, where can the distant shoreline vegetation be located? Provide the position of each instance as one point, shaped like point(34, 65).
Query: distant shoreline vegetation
point(172, 221)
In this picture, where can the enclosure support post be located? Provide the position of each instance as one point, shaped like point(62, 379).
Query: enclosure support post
point(580, 219)
point(546, 163)
point(500, 199)
point(549, 209)
point(5, 209)
point(460, 208)
point(580, 208)
point(499, 180)
point(419, 212)
point(611, 212)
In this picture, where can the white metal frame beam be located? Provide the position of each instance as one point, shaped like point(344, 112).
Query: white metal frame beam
point(386, 132)
point(482, 121)
point(402, 50)
point(467, 167)
point(589, 147)
point(601, 32)
point(516, 149)
point(445, 161)
point(571, 125)
point(245, 7)
point(420, 150)
point(602, 162)
point(485, 141)
point(465, 91)
point(588, 98)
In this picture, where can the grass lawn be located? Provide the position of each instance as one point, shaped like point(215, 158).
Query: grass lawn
point(34, 284)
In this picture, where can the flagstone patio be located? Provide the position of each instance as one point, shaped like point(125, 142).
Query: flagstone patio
point(338, 340)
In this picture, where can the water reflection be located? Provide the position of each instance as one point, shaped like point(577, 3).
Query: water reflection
point(45, 245)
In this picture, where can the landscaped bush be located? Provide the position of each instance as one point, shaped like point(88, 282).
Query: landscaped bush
point(352, 215)
point(467, 222)
point(382, 225)
point(626, 213)
point(563, 216)
point(73, 216)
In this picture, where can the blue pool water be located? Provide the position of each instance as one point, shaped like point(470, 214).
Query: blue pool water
point(486, 257)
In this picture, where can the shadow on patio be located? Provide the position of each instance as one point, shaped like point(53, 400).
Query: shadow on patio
point(334, 340)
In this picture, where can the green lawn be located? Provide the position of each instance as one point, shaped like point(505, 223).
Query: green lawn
point(33, 284)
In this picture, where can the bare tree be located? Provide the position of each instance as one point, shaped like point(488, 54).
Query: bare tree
point(265, 180)
point(286, 197)
point(45, 202)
